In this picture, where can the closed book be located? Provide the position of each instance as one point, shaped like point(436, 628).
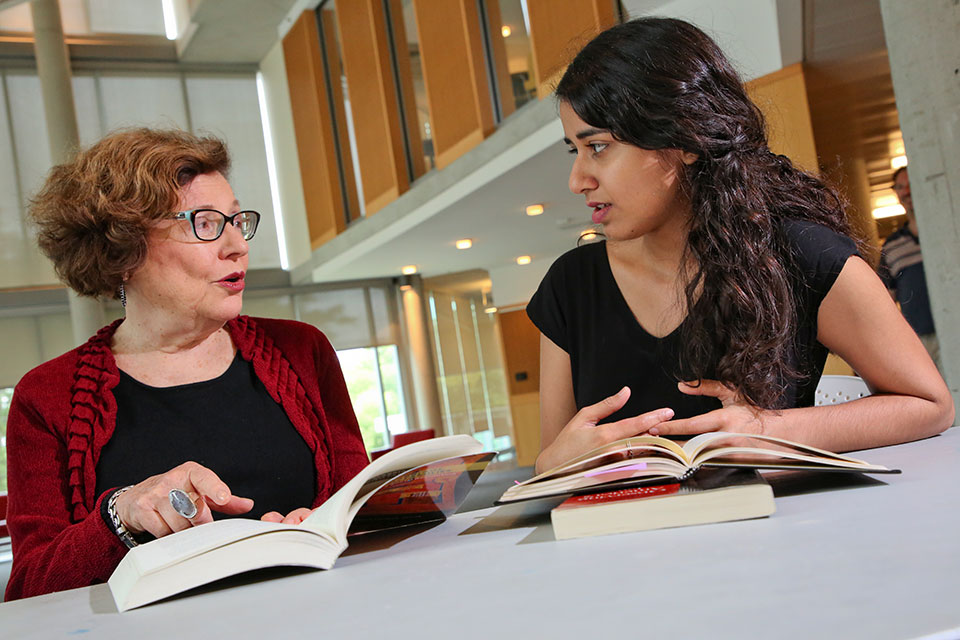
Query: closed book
point(713, 495)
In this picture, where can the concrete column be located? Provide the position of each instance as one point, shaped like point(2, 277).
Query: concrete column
point(423, 369)
point(924, 57)
point(53, 69)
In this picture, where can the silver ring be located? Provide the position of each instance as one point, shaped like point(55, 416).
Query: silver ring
point(182, 503)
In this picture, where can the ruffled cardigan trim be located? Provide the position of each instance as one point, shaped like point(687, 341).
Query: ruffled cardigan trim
point(93, 407)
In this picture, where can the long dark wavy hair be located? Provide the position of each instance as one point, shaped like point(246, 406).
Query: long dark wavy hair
point(661, 83)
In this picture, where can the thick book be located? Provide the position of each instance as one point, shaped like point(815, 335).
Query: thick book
point(713, 495)
point(653, 459)
point(421, 482)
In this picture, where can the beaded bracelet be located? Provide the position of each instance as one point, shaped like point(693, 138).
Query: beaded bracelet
point(125, 536)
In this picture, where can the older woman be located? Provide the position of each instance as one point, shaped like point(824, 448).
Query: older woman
point(182, 408)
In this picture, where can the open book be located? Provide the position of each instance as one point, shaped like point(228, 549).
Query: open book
point(417, 483)
point(652, 459)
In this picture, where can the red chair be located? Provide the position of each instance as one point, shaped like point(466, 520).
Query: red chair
point(409, 437)
point(402, 439)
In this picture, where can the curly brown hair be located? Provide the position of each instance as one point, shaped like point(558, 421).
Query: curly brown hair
point(94, 212)
point(661, 83)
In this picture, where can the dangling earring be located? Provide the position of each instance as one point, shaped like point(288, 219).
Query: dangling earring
point(123, 296)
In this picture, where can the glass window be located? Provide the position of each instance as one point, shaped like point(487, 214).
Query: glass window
point(509, 54)
point(5, 396)
point(470, 370)
point(376, 391)
point(338, 96)
point(412, 92)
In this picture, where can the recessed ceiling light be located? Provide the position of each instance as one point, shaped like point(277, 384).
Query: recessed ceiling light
point(490, 310)
point(898, 161)
point(588, 235)
point(523, 260)
point(464, 243)
point(409, 270)
point(888, 211)
point(534, 209)
point(505, 31)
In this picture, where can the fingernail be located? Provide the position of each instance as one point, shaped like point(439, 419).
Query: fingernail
point(666, 413)
point(654, 431)
point(623, 391)
point(221, 497)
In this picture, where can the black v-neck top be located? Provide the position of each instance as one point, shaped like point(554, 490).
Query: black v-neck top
point(229, 424)
point(580, 308)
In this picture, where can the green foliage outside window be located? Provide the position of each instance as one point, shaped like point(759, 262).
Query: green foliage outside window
point(5, 396)
point(371, 394)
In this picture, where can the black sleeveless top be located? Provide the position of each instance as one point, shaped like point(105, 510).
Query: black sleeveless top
point(580, 308)
point(229, 424)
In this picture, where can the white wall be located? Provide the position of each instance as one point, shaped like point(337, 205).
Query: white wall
point(292, 204)
point(515, 284)
point(746, 30)
point(225, 105)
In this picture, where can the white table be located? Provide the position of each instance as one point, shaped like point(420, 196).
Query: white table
point(869, 561)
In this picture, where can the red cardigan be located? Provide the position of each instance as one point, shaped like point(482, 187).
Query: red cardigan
point(64, 412)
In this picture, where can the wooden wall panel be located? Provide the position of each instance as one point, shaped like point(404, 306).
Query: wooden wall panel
point(451, 54)
point(311, 121)
point(521, 344)
point(782, 97)
point(557, 35)
point(373, 102)
point(521, 355)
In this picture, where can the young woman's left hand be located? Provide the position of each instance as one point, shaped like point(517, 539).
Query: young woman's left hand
point(736, 415)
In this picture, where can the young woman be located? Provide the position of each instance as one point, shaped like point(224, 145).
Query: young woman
point(726, 276)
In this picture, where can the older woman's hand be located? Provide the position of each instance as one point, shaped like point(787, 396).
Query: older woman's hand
point(294, 517)
point(146, 506)
point(583, 432)
point(736, 415)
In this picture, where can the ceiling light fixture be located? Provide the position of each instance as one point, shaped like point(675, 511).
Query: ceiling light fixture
point(169, 19)
point(464, 243)
point(534, 209)
point(505, 31)
point(409, 270)
point(888, 211)
point(587, 236)
point(487, 301)
point(523, 260)
point(898, 161)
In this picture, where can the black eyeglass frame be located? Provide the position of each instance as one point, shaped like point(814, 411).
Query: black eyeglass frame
point(191, 216)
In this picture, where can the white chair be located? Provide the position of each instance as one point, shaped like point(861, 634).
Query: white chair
point(837, 389)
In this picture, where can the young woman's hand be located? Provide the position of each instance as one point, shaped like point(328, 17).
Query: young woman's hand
point(146, 506)
point(583, 433)
point(736, 415)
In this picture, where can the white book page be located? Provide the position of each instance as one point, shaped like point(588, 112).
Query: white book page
point(645, 444)
point(192, 542)
point(696, 446)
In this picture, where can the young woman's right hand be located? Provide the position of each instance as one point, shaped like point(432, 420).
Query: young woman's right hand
point(583, 433)
point(146, 506)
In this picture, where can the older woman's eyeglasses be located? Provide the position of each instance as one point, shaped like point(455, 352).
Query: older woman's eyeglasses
point(208, 224)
